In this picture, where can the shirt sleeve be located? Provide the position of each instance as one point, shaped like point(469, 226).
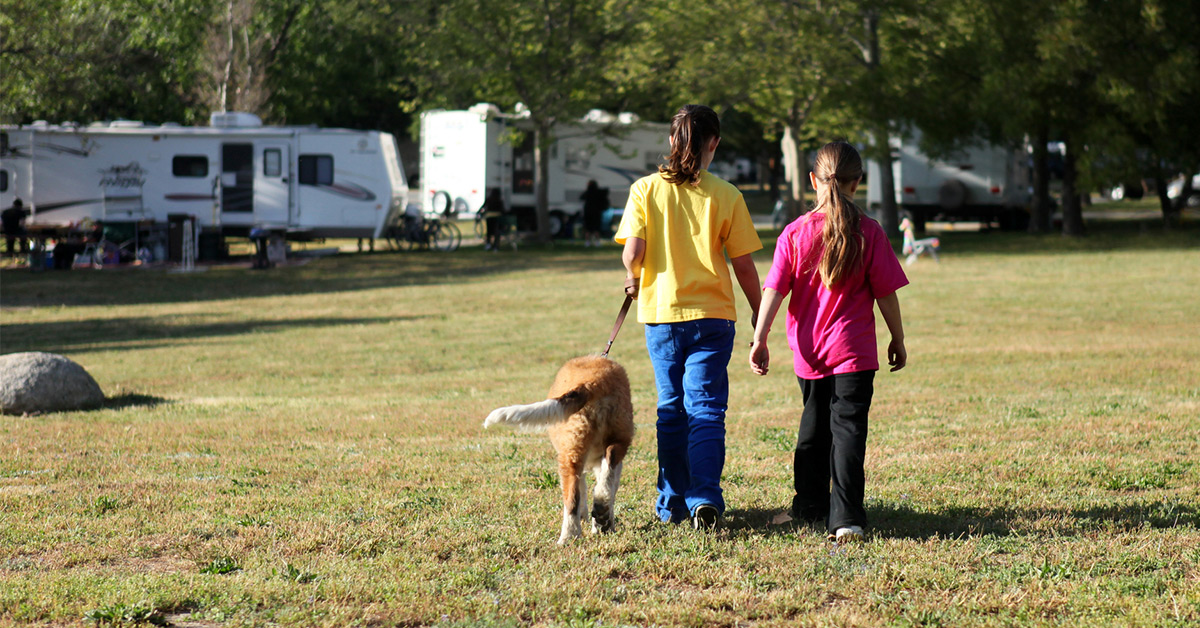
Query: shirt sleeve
point(884, 272)
point(743, 237)
point(633, 220)
point(781, 276)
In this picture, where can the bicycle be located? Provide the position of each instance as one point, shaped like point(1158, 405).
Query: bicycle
point(508, 233)
point(424, 233)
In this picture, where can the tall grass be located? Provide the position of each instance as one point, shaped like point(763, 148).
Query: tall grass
point(303, 446)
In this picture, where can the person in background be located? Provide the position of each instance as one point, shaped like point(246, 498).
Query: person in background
point(13, 221)
point(493, 214)
point(595, 201)
point(678, 227)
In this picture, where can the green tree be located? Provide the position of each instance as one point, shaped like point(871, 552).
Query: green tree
point(555, 57)
point(100, 59)
point(349, 63)
point(770, 60)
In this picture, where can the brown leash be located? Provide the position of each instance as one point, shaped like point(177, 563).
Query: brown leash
point(617, 325)
point(631, 290)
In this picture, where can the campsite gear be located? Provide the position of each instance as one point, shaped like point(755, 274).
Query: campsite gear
point(913, 247)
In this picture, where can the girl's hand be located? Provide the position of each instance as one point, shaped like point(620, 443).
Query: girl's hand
point(897, 355)
point(760, 358)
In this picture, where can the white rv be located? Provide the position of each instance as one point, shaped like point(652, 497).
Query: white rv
point(979, 183)
point(232, 176)
point(466, 153)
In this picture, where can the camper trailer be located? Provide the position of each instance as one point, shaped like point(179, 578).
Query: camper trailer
point(982, 183)
point(233, 176)
point(466, 153)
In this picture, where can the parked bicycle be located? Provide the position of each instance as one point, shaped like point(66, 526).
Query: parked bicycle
point(424, 232)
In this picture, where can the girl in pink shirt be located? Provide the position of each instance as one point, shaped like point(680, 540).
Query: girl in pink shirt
point(837, 264)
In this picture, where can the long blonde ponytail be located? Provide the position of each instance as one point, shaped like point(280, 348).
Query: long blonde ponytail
point(839, 164)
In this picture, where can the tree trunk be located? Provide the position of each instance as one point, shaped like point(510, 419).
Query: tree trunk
point(1072, 210)
point(1040, 210)
point(795, 171)
point(889, 212)
point(542, 140)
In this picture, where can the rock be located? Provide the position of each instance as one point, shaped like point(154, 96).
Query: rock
point(44, 382)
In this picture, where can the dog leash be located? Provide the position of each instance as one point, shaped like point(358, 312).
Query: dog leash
point(629, 284)
point(617, 325)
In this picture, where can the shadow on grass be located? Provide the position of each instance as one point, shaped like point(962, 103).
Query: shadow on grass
point(903, 522)
point(898, 521)
point(111, 334)
point(133, 400)
point(339, 273)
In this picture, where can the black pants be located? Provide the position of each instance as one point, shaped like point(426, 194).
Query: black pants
point(830, 450)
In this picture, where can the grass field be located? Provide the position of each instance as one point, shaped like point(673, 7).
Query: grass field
point(303, 446)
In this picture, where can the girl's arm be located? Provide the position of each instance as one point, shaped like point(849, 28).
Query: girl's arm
point(760, 356)
point(889, 307)
point(632, 256)
point(747, 276)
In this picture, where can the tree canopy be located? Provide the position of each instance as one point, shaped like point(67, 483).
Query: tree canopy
point(1114, 81)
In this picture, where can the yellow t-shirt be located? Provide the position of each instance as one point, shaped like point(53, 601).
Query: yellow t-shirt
point(688, 231)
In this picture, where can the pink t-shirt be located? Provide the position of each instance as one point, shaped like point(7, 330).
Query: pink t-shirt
point(832, 331)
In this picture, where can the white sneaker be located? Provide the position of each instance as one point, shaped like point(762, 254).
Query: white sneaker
point(851, 534)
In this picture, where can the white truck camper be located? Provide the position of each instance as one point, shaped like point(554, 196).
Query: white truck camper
point(466, 153)
point(981, 183)
point(232, 176)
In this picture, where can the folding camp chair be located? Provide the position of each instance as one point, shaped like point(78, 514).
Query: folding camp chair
point(913, 247)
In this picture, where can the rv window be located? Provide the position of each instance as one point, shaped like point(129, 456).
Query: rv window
point(189, 166)
point(271, 162)
point(316, 169)
point(3, 180)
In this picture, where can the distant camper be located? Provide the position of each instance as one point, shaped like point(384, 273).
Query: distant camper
point(466, 153)
point(233, 176)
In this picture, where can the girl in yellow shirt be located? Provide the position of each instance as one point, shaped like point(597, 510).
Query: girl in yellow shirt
point(678, 227)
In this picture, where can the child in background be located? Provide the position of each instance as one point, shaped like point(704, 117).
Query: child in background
point(837, 264)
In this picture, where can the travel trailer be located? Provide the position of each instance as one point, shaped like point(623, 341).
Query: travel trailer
point(466, 153)
point(233, 176)
point(982, 183)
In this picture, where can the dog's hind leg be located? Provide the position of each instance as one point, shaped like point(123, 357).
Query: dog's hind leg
point(608, 478)
point(574, 490)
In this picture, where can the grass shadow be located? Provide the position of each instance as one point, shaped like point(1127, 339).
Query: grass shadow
point(133, 400)
point(329, 275)
point(900, 521)
point(110, 334)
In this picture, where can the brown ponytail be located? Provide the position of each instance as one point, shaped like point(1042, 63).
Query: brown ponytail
point(838, 164)
point(691, 129)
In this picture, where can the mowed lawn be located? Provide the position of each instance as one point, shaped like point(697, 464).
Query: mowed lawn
point(303, 446)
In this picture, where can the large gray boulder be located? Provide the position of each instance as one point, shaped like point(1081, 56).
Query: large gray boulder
point(44, 382)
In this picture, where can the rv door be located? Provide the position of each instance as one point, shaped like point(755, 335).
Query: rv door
point(272, 184)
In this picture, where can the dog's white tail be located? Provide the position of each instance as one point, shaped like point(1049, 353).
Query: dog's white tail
point(540, 414)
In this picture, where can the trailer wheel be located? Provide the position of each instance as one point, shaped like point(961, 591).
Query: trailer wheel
point(558, 224)
point(952, 194)
point(441, 203)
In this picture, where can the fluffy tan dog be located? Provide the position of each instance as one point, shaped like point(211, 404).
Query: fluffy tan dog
point(589, 416)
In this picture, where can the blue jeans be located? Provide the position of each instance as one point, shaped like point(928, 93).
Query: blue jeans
point(691, 361)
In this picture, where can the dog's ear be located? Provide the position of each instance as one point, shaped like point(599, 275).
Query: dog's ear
point(573, 400)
